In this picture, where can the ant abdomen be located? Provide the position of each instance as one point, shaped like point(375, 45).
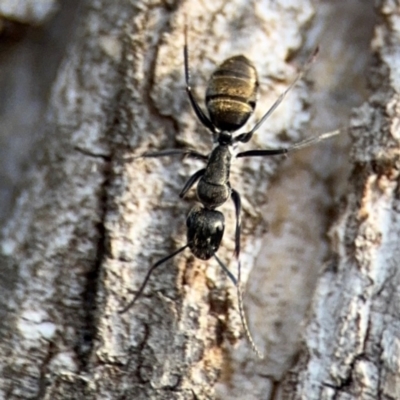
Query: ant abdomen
point(232, 93)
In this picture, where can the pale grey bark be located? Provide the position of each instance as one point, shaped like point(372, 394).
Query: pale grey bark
point(30, 57)
point(28, 11)
point(88, 225)
point(350, 348)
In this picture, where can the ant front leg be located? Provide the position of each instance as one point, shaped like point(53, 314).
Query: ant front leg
point(191, 181)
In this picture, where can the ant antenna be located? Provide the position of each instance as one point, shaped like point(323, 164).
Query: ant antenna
point(150, 271)
point(254, 347)
point(245, 137)
point(229, 273)
point(241, 308)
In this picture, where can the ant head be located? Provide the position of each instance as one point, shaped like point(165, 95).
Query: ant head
point(205, 229)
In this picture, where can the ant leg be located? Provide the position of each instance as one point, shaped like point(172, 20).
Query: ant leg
point(224, 267)
point(314, 139)
point(236, 200)
point(260, 153)
point(297, 146)
point(150, 271)
point(192, 180)
point(245, 137)
point(199, 112)
point(243, 317)
point(170, 152)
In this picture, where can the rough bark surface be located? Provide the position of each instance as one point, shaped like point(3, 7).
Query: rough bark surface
point(88, 225)
point(351, 344)
point(27, 11)
point(302, 203)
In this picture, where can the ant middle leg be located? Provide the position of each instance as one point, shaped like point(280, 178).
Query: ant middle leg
point(237, 202)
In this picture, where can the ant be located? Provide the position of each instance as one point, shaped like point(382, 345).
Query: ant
point(230, 101)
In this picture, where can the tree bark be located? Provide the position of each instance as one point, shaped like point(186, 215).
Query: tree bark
point(89, 224)
point(33, 12)
point(351, 343)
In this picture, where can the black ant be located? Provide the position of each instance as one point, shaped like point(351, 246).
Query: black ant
point(230, 101)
